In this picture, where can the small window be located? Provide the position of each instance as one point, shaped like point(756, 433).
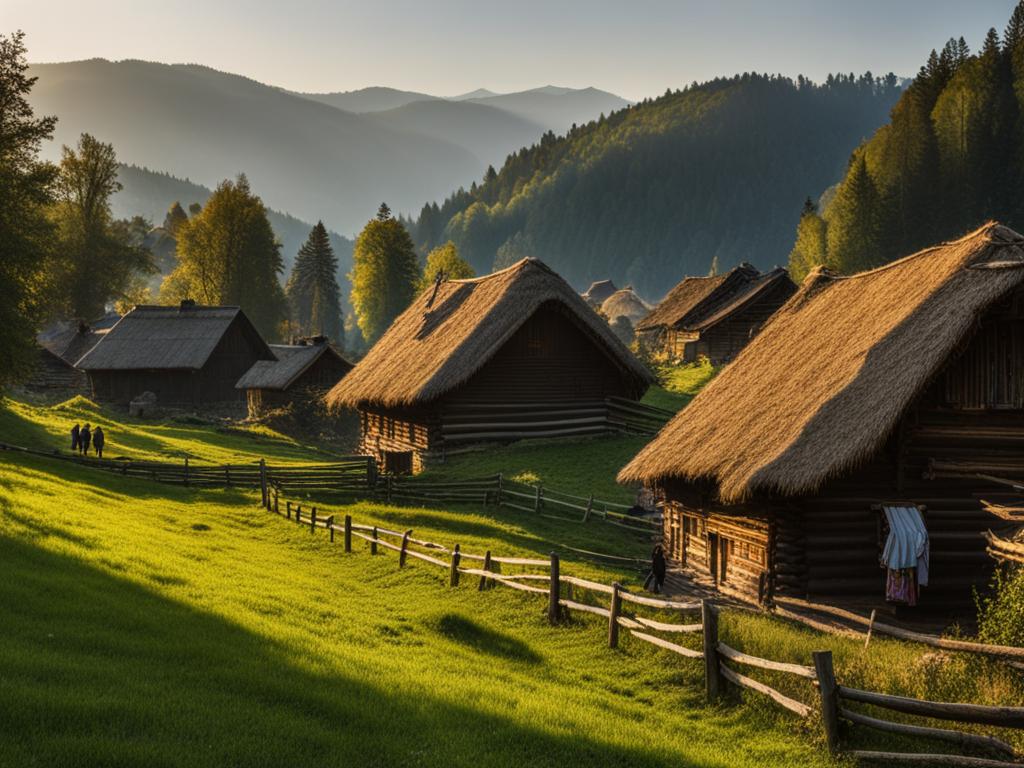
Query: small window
point(398, 462)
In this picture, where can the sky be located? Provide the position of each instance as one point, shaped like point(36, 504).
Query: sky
point(445, 47)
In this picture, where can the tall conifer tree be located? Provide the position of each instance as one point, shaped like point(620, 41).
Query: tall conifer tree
point(313, 290)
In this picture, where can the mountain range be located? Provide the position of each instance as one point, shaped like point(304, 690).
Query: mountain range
point(302, 154)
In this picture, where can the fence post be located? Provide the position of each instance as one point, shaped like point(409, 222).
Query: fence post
point(453, 580)
point(405, 547)
point(613, 616)
point(348, 533)
point(276, 512)
point(263, 481)
point(312, 521)
point(186, 470)
point(536, 500)
point(712, 672)
point(554, 588)
point(387, 488)
point(288, 509)
point(829, 697)
point(499, 489)
point(590, 507)
point(486, 567)
point(298, 513)
point(227, 476)
point(330, 527)
point(373, 541)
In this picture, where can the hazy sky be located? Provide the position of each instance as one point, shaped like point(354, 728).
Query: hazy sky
point(635, 48)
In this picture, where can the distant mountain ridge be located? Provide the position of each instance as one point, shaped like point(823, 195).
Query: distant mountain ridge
point(302, 154)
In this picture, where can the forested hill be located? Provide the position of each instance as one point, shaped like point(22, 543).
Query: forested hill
point(951, 158)
point(664, 188)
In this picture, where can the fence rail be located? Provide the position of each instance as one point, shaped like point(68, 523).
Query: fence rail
point(565, 594)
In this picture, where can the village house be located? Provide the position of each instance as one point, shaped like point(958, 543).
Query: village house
point(511, 355)
point(625, 303)
point(714, 317)
point(299, 373)
point(187, 355)
point(881, 403)
point(54, 374)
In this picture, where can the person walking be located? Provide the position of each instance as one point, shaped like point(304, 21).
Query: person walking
point(84, 438)
point(74, 438)
point(98, 440)
point(658, 569)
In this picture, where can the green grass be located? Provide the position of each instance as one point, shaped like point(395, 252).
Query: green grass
point(169, 439)
point(146, 624)
point(685, 381)
point(154, 625)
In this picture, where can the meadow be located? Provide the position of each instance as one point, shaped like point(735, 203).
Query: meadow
point(149, 624)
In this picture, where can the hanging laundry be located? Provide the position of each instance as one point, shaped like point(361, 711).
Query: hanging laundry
point(905, 554)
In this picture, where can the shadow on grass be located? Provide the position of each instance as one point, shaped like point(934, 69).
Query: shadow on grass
point(99, 670)
point(479, 638)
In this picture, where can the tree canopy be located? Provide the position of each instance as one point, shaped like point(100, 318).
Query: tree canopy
point(227, 255)
point(26, 190)
point(445, 260)
point(385, 273)
point(950, 158)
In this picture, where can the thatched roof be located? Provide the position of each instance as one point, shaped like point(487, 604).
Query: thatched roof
point(625, 302)
point(599, 291)
point(292, 361)
point(164, 338)
point(441, 340)
point(825, 382)
point(695, 298)
point(735, 300)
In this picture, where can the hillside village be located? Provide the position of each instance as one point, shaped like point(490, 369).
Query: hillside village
point(772, 515)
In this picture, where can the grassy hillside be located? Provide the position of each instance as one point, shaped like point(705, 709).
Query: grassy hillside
point(663, 188)
point(146, 624)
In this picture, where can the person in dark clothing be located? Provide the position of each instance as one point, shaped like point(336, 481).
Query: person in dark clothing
point(74, 438)
point(84, 438)
point(658, 568)
point(97, 441)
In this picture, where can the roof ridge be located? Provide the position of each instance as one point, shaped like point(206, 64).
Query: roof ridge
point(526, 261)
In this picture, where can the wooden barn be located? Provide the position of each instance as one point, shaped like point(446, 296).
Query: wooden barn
point(55, 374)
point(299, 372)
point(881, 403)
point(187, 355)
point(511, 355)
point(714, 317)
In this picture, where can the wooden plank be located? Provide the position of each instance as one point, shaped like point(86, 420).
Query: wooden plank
point(756, 661)
point(942, 734)
point(424, 557)
point(668, 646)
point(595, 609)
point(779, 698)
point(585, 584)
point(655, 602)
point(663, 627)
point(906, 758)
point(1007, 717)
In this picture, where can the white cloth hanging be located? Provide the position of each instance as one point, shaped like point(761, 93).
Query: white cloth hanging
point(907, 544)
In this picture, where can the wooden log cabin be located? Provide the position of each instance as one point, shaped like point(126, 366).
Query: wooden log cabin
point(54, 375)
point(511, 355)
point(299, 373)
point(714, 317)
point(188, 355)
point(901, 387)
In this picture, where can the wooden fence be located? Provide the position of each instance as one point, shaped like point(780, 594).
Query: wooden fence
point(564, 593)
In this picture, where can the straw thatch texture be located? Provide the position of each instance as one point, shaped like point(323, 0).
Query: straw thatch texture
point(162, 338)
point(292, 361)
point(827, 379)
point(696, 298)
point(437, 345)
point(735, 300)
point(625, 303)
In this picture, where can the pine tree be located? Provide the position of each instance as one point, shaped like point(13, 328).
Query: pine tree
point(853, 232)
point(312, 289)
point(228, 255)
point(384, 275)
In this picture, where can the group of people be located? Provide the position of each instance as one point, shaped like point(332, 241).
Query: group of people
point(82, 437)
